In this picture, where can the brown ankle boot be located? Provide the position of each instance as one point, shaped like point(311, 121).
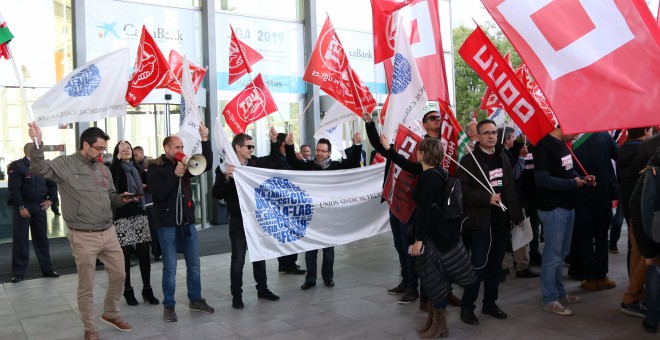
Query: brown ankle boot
point(429, 319)
point(439, 326)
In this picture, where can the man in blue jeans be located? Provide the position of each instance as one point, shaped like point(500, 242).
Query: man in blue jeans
point(174, 214)
point(556, 179)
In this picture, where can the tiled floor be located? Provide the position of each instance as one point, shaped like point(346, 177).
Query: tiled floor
point(357, 308)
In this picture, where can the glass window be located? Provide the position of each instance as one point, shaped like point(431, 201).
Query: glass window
point(170, 3)
point(357, 18)
point(280, 9)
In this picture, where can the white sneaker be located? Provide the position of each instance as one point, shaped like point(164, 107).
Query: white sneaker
point(569, 299)
point(557, 308)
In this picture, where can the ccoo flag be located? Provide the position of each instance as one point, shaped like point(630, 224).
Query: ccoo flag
point(91, 92)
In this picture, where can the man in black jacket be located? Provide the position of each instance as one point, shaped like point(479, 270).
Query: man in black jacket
point(174, 215)
point(225, 188)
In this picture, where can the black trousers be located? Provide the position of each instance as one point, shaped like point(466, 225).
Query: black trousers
point(238, 250)
point(21, 248)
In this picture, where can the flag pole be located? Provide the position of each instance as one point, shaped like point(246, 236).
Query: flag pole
point(577, 160)
point(475, 178)
point(492, 191)
point(22, 90)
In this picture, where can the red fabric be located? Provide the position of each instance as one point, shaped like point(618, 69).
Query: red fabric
point(490, 99)
point(378, 158)
point(449, 131)
point(176, 65)
point(250, 105)
point(384, 27)
point(399, 183)
point(480, 53)
point(329, 69)
point(522, 72)
point(601, 77)
point(4, 51)
point(241, 58)
point(150, 69)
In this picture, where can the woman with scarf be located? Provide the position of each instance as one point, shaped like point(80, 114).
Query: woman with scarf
point(131, 222)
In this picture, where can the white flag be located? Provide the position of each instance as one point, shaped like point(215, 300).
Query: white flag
point(408, 96)
point(91, 92)
point(331, 126)
point(189, 120)
point(223, 144)
point(288, 212)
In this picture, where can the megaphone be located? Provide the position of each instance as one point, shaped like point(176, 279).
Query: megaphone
point(196, 163)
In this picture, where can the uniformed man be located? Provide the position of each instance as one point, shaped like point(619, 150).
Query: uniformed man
point(31, 196)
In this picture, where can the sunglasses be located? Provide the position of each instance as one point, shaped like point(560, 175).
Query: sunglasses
point(249, 147)
point(433, 118)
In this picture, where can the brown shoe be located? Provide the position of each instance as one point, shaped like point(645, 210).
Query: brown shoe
point(92, 335)
point(605, 283)
point(453, 300)
point(117, 323)
point(591, 285)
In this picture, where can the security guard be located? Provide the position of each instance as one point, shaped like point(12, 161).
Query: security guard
point(31, 196)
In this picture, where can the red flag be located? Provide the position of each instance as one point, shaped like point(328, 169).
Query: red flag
point(449, 131)
point(480, 53)
point(328, 68)
point(250, 105)
point(384, 27)
point(378, 158)
point(5, 38)
point(490, 99)
point(383, 110)
point(522, 73)
point(399, 183)
point(150, 69)
point(595, 65)
point(176, 65)
point(241, 58)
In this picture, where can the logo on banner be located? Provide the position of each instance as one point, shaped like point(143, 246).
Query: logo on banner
point(235, 59)
point(333, 58)
point(250, 104)
point(390, 30)
point(84, 83)
point(402, 75)
point(284, 210)
point(149, 72)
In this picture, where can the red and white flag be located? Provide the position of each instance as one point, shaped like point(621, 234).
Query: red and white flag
point(399, 183)
point(384, 18)
point(480, 53)
point(241, 58)
point(329, 69)
point(449, 131)
point(176, 65)
point(596, 66)
point(150, 69)
point(250, 105)
point(490, 99)
point(522, 72)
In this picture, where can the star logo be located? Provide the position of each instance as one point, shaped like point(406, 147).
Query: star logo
point(108, 29)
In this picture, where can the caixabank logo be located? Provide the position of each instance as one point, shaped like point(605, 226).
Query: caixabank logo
point(284, 210)
point(115, 30)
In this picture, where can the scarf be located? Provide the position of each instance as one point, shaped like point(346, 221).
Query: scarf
point(133, 180)
point(323, 164)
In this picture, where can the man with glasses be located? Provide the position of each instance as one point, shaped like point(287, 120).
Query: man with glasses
point(88, 194)
point(488, 216)
point(322, 161)
point(174, 215)
point(225, 188)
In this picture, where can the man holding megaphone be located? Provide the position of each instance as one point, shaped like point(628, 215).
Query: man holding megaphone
point(174, 214)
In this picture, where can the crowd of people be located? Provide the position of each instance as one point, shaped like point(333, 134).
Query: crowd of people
point(138, 206)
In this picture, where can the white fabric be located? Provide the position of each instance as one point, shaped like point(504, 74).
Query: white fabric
point(331, 126)
point(521, 234)
point(91, 92)
point(288, 212)
point(408, 95)
point(223, 144)
point(189, 120)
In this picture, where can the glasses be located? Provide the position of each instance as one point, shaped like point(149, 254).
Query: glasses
point(489, 133)
point(249, 147)
point(99, 148)
point(433, 118)
point(321, 151)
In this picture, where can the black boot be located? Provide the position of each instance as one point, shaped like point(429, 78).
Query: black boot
point(130, 297)
point(148, 296)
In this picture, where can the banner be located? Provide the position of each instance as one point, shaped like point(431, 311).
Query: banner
point(250, 105)
point(595, 66)
point(91, 92)
point(288, 212)
point(384, 18)
point(329, 69)
point(408, 95)
point(480, 54)
point(241, 58)
point(176, 65)
point(223, 144)
point(150, 69)
point(449, 132)
point(490, 99)
point(522, 72)
point(331, 126)
point(399, 183)
point(189, 119)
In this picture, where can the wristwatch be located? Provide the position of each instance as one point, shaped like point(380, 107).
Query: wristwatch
point(21, 207)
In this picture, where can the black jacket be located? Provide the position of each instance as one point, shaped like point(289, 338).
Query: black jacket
point(353, 161)
point(164, 186)
point(25, 188)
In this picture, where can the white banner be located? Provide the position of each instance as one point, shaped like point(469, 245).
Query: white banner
point(189, 119)
point(223, 144)
point(91, 92)
point(331, 126)
point(288, 212)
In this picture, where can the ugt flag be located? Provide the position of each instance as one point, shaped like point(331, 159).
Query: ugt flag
point(250, 105)
point(596, 60)
point(189, 119)
point(241, 58)
point(407, 93)
point(150, 69)
point(91, 92)
point(399, 183)
point(173, 79)
point(288, 212)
